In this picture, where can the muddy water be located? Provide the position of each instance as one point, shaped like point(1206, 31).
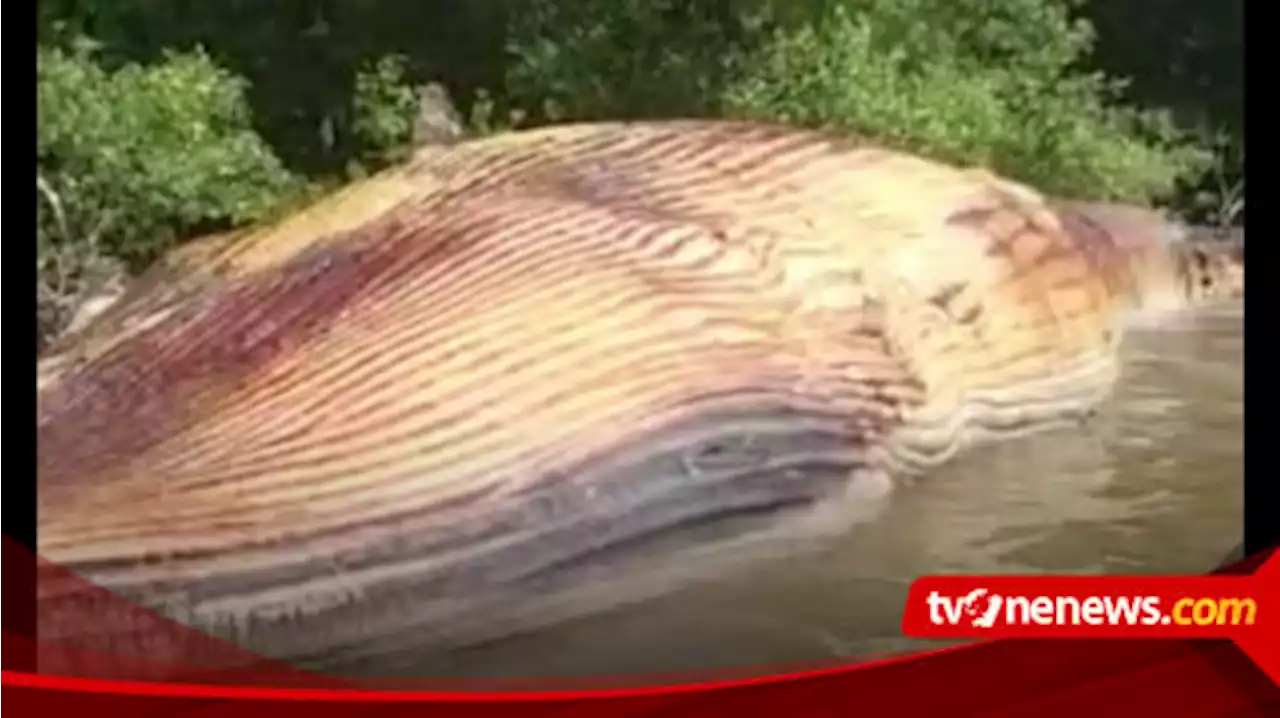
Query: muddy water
point(1154, 484)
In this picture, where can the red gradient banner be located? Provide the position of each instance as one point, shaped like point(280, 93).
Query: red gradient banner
point(1191, 675)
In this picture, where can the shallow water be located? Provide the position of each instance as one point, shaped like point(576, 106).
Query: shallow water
point(1152, 485)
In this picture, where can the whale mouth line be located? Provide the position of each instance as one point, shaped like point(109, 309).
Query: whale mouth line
point(726, 520)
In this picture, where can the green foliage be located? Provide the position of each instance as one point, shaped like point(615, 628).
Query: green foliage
point(130, 160)
point(384, 106)
point(606, 59)
point(486, 118)
point(983, 82)
point(301, 58)
point(143, 153)
point(1216, 197)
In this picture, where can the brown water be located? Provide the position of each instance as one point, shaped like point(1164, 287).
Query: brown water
point(1153, 485)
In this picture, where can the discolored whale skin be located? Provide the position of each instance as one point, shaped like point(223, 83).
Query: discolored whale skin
point(393, 420)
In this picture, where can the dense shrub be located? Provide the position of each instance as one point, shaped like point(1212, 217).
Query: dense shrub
point(383, 106)
point(131, 160)
point(608, 59)
point(992, 82)
point(1003, 83)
